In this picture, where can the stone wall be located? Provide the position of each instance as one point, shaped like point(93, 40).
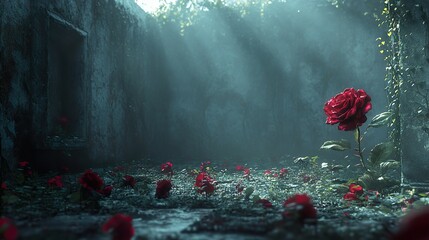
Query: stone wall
point(100, 122)
point(237, 88)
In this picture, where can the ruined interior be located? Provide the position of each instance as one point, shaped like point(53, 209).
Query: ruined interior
point(211, 119)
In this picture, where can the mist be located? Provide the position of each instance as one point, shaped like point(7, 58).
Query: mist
point(252, 87)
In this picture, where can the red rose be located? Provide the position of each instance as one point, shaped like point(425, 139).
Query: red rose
point(23, 164)
point(239, 168)
point(3, 186)
point(283, 172)
point(350, 196)
point(301, 207)
point(414, 226)
point(246, 173)
point(163, 188)
point(121, 226)
point(107, 191)
point(129, 181)
point(348, 109)
point(265, 203)
point(91, 181)
point(267, 172)
point(8, 231)
point(167, 168)
point(355, 188)
point(204, 183)
point(56, 182)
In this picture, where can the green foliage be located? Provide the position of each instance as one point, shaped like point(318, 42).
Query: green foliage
point(381, 153)
point(336, 145)
point(379, 166)
point(381, 119)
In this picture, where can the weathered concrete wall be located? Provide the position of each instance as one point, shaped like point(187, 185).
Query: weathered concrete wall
point(113, 44)
point(231, 88)
point(15, 79)
point(414, 108)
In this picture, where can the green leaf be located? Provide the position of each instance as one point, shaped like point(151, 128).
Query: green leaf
point(336, 145)
point(381, 119)
point(387, 165)
point(381, 153)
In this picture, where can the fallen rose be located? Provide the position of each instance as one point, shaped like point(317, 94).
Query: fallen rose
point(163, 188)
point(56, 181)
point(283, 172)
point(8, 230)
point(239, 168)
point(167, 168)
point(348, 108)
point(121, 227)
point(204, 183)
point(265, 203)
point(107, 191)
point(414, 226)
point(355, 188)
point(350, 196)
point(129, 181)
point(301, 207)
point(246, 173)
point(23, 164)
point(91, 181)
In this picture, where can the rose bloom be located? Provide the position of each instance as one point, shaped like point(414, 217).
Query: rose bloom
point(300, 206)
point(246, 173)
point(267, 172)
point(239, 168)
point(207, 188)
point(414, 226)
point(355, 188)
point(204, 183)
point(163, 188)
point(167, 168)
point(265, 203)
point(129, 181)
point(23, 164)
point(107, 191)
point(121, 226)
point(350, 196)
point(3, 186)
point(283, 172)
point(8, 230)
point(348, 108)
point(56, 181)
point(91, 181)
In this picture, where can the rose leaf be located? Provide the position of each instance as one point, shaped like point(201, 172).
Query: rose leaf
point(380, 120)
point(381, 152)
point(336, 145)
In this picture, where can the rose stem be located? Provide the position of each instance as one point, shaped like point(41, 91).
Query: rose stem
point(360, 150)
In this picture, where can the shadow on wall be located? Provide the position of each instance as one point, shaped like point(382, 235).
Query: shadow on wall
point(252, 87)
